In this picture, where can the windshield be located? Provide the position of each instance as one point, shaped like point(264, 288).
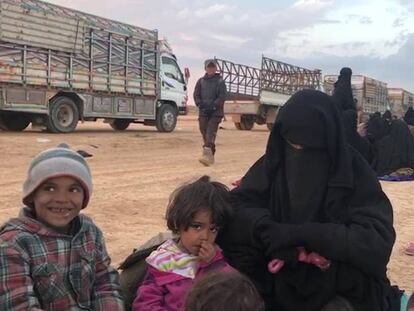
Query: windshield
point(171, 69)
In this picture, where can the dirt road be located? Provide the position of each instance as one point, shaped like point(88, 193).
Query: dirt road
point(135, 171)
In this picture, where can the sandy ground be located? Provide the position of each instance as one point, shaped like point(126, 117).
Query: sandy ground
point(135, 171)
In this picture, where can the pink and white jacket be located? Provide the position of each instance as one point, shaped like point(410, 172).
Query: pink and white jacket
point(171, 274)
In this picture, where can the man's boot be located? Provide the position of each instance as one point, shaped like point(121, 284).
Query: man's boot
point(207, 157)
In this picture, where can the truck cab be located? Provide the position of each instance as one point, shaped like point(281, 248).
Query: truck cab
point(173, 83)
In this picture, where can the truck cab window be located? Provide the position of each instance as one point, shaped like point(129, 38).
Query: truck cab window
point(171, 69)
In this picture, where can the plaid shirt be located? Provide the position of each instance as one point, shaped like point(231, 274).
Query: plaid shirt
point(41, 269)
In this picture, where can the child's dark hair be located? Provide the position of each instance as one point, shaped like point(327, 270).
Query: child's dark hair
point(193, 197)
point(223, 292)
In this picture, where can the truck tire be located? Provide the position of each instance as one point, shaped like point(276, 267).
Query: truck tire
point(120, 124)
point(269, 126)
point(15, 122)
point(63, 115)
point(246, 122)
point(166, 118)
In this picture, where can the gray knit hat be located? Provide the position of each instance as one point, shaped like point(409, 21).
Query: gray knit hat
point(57, 162)
point(210, 62)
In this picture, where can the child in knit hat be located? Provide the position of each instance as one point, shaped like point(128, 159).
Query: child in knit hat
point(51, 256)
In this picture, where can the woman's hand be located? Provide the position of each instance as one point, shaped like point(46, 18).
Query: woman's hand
point(313, 259)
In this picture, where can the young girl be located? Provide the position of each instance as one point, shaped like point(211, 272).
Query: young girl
point(195, 213)
point(51, 256)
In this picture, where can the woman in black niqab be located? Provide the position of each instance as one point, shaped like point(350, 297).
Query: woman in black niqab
point(312, 190)
point(344, 99)
point(393, 145)
point(409, 116)
point(342, 93)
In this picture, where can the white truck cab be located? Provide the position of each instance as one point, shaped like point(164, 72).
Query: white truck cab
point(173, 83)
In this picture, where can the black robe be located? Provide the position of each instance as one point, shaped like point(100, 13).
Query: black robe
point(409, 116)
point(394, 149)
point(353, 228)
point(360, 144)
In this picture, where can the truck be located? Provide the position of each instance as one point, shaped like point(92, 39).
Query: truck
point(371, 95)
point(254, 95)
point(400, 100)
point(59, 66)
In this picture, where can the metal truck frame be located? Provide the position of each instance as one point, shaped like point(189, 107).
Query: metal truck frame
point(255, 95)
point(59, 66)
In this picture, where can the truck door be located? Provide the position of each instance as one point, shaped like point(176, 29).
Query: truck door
point(173, 86)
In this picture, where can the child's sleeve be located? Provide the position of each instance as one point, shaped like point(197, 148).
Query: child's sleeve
point(106, 292)
point(16, 286)
point(150, 296)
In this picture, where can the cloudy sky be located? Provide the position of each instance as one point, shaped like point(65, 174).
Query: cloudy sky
point(373, 37)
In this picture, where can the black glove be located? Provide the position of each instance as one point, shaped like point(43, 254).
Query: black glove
point(242, 228)
point(278, 239)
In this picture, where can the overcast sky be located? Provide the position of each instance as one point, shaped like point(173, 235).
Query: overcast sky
point(373, 37)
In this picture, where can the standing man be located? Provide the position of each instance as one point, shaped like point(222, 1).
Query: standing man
point(209, 95)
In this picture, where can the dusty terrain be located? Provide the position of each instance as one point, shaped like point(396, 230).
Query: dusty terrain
point(135, 171)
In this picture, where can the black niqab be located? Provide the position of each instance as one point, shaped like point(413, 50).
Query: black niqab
point(306, 183)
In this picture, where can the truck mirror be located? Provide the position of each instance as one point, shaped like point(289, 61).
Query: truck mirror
point(186, 74)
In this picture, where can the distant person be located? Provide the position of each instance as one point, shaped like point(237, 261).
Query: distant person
point(342, 93)
point(387, 115)
point(224, 292)
point(52, 256)
point(312, 227)
point(409, 119)
point(195, 214)
point(209, 96)
point(409, 116)
point(393, 147)
point(346, 103)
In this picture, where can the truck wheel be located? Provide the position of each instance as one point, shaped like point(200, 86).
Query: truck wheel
point(246, 122)
point(166, 118)
point(120, 124)
point(269, 126)
point(14, 122)
point(63, 115)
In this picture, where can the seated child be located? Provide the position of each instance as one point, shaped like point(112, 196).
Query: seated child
point(195, 213)
point(224, 292)
point(52, 257)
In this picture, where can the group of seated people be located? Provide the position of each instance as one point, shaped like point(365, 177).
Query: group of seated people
point(308, 228)
point(386, 142)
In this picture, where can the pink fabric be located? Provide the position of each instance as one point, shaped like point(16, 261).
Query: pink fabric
point(165, 291)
